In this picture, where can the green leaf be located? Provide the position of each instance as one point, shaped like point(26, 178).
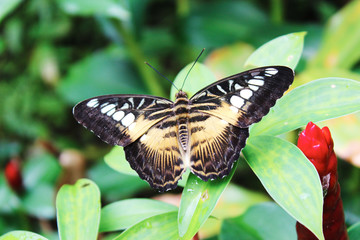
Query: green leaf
point(229, 60)
point(22, 235)
point(115, 185)
point(104, 72)
point(262, 221)
point(37, 205)
point(315, 101)
point(6, 6)
point(108, 8)
point(78, 210)
point(123, 214)
point(289, 177)
point(199, 77)
point(117, 161)
point(354, 232)
point(160, 227)
point(285, 50)
point(41, 168)
point(197, 202)
point(340, 48)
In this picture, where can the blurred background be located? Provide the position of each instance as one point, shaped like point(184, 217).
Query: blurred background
point(55, 53)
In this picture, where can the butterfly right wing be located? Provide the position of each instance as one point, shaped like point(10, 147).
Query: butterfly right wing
point(121, 119)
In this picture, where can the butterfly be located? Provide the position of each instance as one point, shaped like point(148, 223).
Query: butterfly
point(205, 133)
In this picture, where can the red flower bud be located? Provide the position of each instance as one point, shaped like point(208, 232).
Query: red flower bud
point(13, 175)
point(317, 145)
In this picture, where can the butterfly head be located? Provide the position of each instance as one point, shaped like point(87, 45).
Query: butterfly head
point(181, 94)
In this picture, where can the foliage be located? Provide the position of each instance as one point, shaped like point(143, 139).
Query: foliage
point(56, 53)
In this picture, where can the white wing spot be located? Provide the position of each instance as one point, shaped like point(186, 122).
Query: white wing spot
point(259, 77)
point(141, 103)
point(221, 89)
point(143, 138)
point(131, 127)
point(203, 94)
point(118, 115)
point(223, 121)
point(131, 100)
point(234, 109)
point(237, 101)
point(128, 119)
point(255, 73)
point(93, 103)
point(237, 86)
point(254, 88)
point(230, 83)
point(125, 106)
point(268, 75)
point(111, 112)
point(246, 93)
point(107, 108)
point(271, 71)
point(256, 82)
point(104, 104)
point(160, 101)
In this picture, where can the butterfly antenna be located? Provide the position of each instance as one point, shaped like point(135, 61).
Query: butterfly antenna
point(161, 74)
point(192, 67)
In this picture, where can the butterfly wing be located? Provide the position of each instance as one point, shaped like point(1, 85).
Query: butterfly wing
point(214, 145)
point(121, 119)
point(156, 155)
point(145, 126)
point(224, 112)
point(244, 98)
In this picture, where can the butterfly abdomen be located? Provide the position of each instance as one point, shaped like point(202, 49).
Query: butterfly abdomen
point(181, 109)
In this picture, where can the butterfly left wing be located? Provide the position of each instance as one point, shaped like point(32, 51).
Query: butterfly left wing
point(121, 119)
point(156, 156)
point(145, 126)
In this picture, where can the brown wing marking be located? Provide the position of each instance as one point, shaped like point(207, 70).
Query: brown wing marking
point(223, 110)
point(137, 129)
point(156, 156)
point(215, 146)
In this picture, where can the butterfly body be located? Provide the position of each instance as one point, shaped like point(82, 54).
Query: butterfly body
point(205, 133)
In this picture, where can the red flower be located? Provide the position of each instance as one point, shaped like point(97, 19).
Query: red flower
point(13, 175)
point(317, 145)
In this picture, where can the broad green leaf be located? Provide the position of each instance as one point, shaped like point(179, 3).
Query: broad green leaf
point(340, 48)
point(78, 210)
point(117, 161)
point(6, 6)
point(318, 100)
point(285, 50)
point(229, 60)
point(115, 185)
point(160, 227)
point(22, 235)
point(108, 8)
point(41, 168)
point(199, 77)
point(39, 201)
point(262, 221)
point(354, 232)
point(289, 177)
point(197, 202)
point(123, 214)
point(104, 72)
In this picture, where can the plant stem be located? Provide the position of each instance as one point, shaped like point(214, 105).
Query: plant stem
point(276, 11)
point(148, 78)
